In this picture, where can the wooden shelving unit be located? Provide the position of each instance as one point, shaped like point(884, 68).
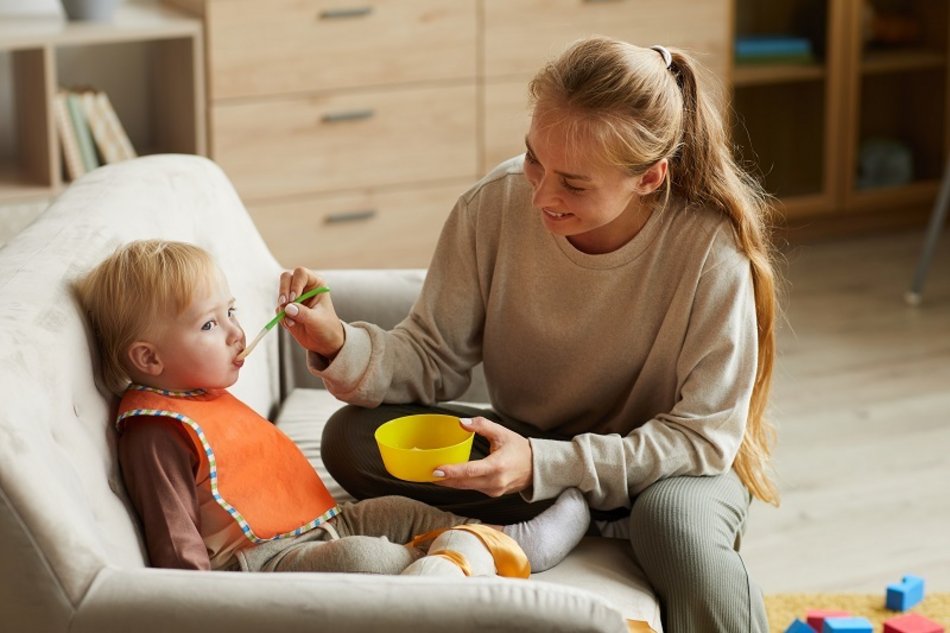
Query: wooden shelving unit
point(174, 76)
point(804, 126)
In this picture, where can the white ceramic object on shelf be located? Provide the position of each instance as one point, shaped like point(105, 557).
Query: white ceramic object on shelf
point(90, 10)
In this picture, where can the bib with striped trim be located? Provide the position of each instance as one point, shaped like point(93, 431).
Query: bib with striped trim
point(258, 475)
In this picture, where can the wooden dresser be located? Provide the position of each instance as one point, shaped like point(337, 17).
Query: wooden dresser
point(350, 128)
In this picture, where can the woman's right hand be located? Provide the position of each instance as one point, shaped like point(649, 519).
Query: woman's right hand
point(314, 323)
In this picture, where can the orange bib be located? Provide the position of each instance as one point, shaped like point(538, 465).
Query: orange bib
point(258, 475)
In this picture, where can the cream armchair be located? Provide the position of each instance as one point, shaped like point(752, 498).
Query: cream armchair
point(71, 554)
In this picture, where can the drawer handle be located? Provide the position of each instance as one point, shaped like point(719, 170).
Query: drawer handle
point(601, 1)
point(344, 14)
point(350, 216)
point(348, 115)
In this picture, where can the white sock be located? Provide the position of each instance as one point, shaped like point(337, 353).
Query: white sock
point(469, 546)
point(550, 536)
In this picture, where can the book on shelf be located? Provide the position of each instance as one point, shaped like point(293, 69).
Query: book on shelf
point(89, 130)
point(81, 129)
point(773, 49)
point(113, 142)
point(72, 156)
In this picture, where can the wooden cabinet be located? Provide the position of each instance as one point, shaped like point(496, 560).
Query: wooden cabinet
point(173, 78)
point(337, 141)
point(300, 46)
point(350, 128)
point(857, 136)
point(519, 36)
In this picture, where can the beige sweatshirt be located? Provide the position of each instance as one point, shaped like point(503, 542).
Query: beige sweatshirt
point(643, 359)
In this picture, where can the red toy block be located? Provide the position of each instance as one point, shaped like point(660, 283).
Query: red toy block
point(799, 627)
point(912, 623)
point(816, 617)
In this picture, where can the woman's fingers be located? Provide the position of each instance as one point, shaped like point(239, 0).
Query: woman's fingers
point(507, 469)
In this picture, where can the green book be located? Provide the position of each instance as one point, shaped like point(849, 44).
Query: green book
point(83, 135)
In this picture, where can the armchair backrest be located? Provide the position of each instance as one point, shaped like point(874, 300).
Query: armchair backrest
point(63, 510)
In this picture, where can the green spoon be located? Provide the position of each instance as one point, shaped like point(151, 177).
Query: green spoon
point(277, 319)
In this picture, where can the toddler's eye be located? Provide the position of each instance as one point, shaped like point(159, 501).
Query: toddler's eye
point(207, 327)
point(231, 312)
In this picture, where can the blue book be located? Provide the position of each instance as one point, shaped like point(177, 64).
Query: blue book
point(772, 46)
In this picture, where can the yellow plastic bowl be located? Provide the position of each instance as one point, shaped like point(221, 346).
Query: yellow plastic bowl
point(415, 445)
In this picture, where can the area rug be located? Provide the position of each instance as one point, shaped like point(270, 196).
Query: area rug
point(783, 608)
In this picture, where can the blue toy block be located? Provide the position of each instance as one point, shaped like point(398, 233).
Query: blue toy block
point(905, 594)
point(799, 627)
point(847, 625)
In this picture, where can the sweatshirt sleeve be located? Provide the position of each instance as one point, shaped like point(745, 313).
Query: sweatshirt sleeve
point(701, 433)
point(429, 356)
point(158, 466)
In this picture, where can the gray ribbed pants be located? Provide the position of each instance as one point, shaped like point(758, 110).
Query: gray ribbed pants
point(685, 531)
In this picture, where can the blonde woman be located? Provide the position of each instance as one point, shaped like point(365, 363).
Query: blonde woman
point(616, 282)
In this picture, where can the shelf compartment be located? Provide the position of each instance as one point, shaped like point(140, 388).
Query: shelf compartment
point(916, 120)
point(172, 66)
point(769, 132)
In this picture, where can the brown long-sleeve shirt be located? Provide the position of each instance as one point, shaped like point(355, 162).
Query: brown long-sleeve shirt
point(162, 474)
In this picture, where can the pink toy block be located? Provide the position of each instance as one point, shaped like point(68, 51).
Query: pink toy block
point(912, 623)
point(816, 617)
point(799, 627)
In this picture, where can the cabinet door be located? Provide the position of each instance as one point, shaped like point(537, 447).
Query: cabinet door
point(520, 35)
point(293, 46)
point(374, 229)
point(346, 141)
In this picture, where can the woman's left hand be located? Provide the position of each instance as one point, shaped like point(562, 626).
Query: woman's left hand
point(507, 469)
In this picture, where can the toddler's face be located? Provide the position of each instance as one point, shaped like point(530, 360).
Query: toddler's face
point(199, 347)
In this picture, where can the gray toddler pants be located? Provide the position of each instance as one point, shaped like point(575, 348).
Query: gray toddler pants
point(365, 537)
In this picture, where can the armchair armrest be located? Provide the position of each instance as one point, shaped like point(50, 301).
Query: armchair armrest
point(380, 296)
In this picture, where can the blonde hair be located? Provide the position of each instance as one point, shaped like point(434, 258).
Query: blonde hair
point(139, 284)
point(639, 111)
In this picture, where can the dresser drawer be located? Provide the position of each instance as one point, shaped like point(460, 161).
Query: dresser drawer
point(520, 35)
point(346, 141)
point(381, 229)
point(292, 46)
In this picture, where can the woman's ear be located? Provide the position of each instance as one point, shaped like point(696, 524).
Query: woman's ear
point(143, 357)
point(653, 178)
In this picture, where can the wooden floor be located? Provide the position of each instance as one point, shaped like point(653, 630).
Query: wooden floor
point(862, 402)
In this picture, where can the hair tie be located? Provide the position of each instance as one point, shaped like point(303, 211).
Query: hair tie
point(664, 53)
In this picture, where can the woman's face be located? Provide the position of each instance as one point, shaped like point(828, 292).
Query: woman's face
point(597, 206)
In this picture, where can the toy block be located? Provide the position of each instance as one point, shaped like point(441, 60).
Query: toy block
point(912, 623)
point(847, 625)
point(905, 594)
point(816, 617)
point(799, 627)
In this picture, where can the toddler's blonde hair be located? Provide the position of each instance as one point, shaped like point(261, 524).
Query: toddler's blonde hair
point(141, 283)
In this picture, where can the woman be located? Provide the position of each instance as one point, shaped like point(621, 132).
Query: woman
point(616, 282)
